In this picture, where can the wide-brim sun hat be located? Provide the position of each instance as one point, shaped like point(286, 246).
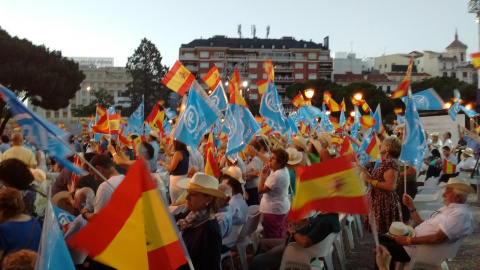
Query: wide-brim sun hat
point(234, 172)
point(468, 152)
point(326, 137)
point(400, 229)
point(434, 134)
point(294, 157)
point(153, 133)
point(458, 183)
point(203, 183)
point(38, 174)
point(317, 145)
point(299, 142)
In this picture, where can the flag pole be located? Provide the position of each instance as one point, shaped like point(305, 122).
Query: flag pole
point(373, 226)
point(404, 178)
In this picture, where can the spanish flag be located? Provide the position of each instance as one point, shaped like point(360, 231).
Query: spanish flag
point(476, 60)
point(337, 141)
point(101, 126)
point(303, 128)
point(212, 78)
point(332, 104)
point(114, 123)
point(269, 70)
point(211, 167)
point(298, 100)
point(265, 129)
point(403, 87)
point(259, 119)
point(134, 230)
point(156, 117)
point(367, 121)
point(356, 102)
point(448, 167)
point(346, 148)
point(329, 186)
point(365, 107)
point(122, 138)
point(398, 110)
point(342, 106)
point(235, 96)
point(235, 82)
point(178, 79)
point(262, 86)
point(373, 148)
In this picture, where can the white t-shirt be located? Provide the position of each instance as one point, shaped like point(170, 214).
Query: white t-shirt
point(276, 200)
point(196, 159)
point(454, 220)
point(448, 143)
point(105, 191)
point(467, 163)
point(255, 164)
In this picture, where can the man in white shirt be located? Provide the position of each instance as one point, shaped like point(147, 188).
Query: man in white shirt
point(106, 168)
point(447, 141)
point(435, 143)
point(452, 159)
point(448, 224)
point(468, 162)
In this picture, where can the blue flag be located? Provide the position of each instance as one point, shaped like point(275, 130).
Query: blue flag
point(454, 110)
point(367, 138)
point(42, 134)
point(342, 120)
point(427, 100)
point(378, 117)
point(414, 143)
point(400, 119)
point(325, 124)
point(292, 126)
point(218, 98)
point(135, 121)
point(63, 217)
point(240, 127)
point(194, 121)
point(53, 252)
point(170, 114)
point(469, 113)
point(167, 128)
point(272, 109)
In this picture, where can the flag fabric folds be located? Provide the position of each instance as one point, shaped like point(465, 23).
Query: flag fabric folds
point(365, 107)
point(346, 148)
point(141, 235)
point(269, 70)
point(272, 109)
point(298, 100)
point(427, 100)
point(262, 86)
point(212, 78)
point(211, 167)
point(218, 98)
point(194, 120)
point(448, 167)
point(135, 121)
point(329, 186)
point(156, 117)
point(373, 148)
point(367, 121)
point(453, 111)
point(101, 125)
point(470, 113)
point(476, 60)
point(240, 125)
point(398, 110)
point(332, 104)
point(178, 79)
point(235, 95)
point(405, 84)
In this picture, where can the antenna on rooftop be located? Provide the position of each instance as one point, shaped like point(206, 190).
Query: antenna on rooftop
point(254, 30)
point(268, 30)
point(239, 30)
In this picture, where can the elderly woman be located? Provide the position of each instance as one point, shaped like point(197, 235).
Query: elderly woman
point(384, 202)
point(200, 230)
point(255, 149)
point(178, 167)
point(17, 230)
point(14, 173)
point(273, 184)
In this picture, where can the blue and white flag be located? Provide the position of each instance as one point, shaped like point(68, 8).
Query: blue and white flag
point(135, 121)
point(469, 113)
point(63, 217)
point(170, 114)
point(53, 252)
point(240, 126)
point(292, 126)
point(400, 119)
point(194, 121)
point(272, 109)
point(378, 118)
point(42, 134)
point(167, 128)
point(427, 100)
point(414, 143)
point(325, 123)
point(454, 110)
point(218, 98)
point(342, 120)
point(367, 138)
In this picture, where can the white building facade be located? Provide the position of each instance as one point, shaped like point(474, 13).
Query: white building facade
point(346, 62)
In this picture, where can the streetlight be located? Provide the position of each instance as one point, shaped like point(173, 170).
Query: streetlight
point(327, 112)
point(468, 106)
point(352, 113)
point(89, 88)
point(245, 83)
point(226, 83)
point(448, 105)
point(358, 96)
point(309, 93)
point(209, 92)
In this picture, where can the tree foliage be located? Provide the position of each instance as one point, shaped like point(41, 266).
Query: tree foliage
point(146, 69)
point(102, 98)
point(45, 77)
point(444, 86)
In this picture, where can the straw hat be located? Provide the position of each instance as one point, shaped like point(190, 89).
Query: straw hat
point(468, 152)
point(317, 145)
point(458, 184)
point(294, 157)
point(300, 142)
point(326, 137)
point(38, 175)
point(153, 133)
point(400, 229)
point(434, 134)
point(203, 183)
point(234, 172)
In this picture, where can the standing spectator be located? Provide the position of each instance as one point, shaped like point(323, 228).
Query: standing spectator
point(435, 143)
point(63, 181)
point(178, 167)
point(43, 161)
point(195, 159)
point(254, 167)
point(152, 140)
point(19, 152)
point(88, 180)
point(5, 145)
point(447, 140)
point(469, 138)
point(294, 157)
point(300, 144)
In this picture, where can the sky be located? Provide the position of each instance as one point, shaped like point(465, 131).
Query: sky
point(114, 28)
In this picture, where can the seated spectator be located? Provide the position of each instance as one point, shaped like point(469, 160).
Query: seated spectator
point(315, 230)
point(88, 180)
point(237, 204)
point(84, 197)
point(224, 214)
point(17, 230)
point(452, 159)
point(468, 162)
point(23, 259)
point(449, 223)
point(5, 145)
point(434, 164)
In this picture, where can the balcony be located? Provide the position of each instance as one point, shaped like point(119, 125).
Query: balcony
point(281, 89)
point(283, 79)
point(191, 68)
point(188, 58)
point(283, 68)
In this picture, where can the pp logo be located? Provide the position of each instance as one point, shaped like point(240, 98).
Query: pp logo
point(215, 100)
point(232, 126)
point(271, 103)
point(421, 102)
point(191, 119)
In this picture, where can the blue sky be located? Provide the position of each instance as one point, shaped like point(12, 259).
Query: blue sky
point(110, 28)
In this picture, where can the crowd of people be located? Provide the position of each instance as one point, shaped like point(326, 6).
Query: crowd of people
point(207, 208)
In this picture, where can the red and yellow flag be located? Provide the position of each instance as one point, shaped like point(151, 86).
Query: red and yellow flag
point(373, 148)
point(367, 121)
point(346, 148)
point(140, 236)
point(114, 123)
point(332, 104)
point(235, 96)
point(262, 86)
point(303, 128)
point(342, 106)
point(403, 87)
point(123, 139)
point(356, 102)
point(77, 162)
point(398, 110)
point(265, 129)
point(329, 186)
point(365, 107)
point(448, 167)
point(156, 117)
point(336, 140)
point(269, 70)
point(211, 167)
point(259, 119)
point(101, 126)
point(476, 60)
point(235, 82)
point(178, 79)
point(298, 100)
point(212, 78)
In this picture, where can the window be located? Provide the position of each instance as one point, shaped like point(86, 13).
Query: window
point(219, 64)
point(56, 114)
point(385, 65)
point(283, 46)
point(204, 65)
point(461, 57)
point(465, 74)
point(312, 66)
point(299, 76)
point(48, 114)
point(453, 75)
point(264, 75)
point(273, 46)
point(189, 55)
point(445, 74)
point(388, 89)
point(444, 65)
point(253, 76)
point(253, 65)
point(312, 56)
point(453, 65)
point(379, 66)
point(64, 113)
point(312, 76)
point(298, 56)
point(219, 55)
point(253, 96)
point(298, 65)
point(204, 55)
point(84, 101)
point(34, 109)
point(263, 46)
point(253, 86)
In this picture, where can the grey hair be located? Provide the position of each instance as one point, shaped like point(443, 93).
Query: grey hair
point(85, 195)
point(461, 192)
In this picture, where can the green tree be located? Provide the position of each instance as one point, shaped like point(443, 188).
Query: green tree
point(146, 69)
point(444, 86)
point(102, 98)
point(34, 72)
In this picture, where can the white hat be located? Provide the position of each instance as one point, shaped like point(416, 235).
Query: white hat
point(38, 175)
point(300, 142)
point(400, 229)
point(234, 172)
point(326, 137)
point(434, 134)
point(458, 184)
point(153, 133)
point(294, 157)
point(317, 145)
point(468, 152)
point(203, 183)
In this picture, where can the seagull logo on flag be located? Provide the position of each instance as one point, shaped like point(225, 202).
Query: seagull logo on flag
point(191, 119)
point(270, 102)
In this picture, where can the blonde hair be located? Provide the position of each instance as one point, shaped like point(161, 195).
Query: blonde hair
point(394, 146)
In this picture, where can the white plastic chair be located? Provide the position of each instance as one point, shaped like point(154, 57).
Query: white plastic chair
point(296, 256)
point(358, 223)
point(230, 240)
point(434, 256)
point(253, 209)
point(244, 239)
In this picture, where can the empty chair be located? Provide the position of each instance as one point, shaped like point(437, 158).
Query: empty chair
point(434, 256)
point(253, 209)
point(230, 240)
point(244, 238)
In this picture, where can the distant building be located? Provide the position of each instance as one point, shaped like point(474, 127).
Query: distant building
point(368, 65)
point(294, 61)
point(346, 62)
point(380, 80)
